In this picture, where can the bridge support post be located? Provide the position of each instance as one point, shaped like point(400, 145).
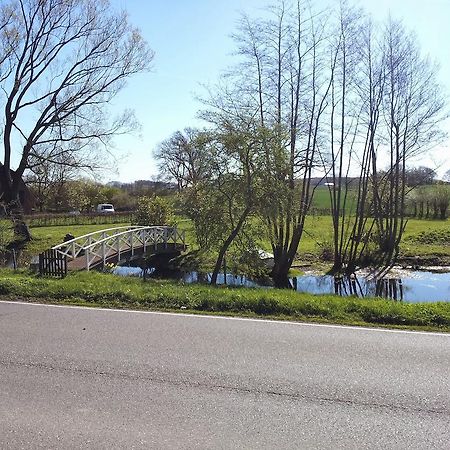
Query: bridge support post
point(104, 253)
point(118, 248)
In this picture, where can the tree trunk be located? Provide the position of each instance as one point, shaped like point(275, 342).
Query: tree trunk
point(225, 246)
point(280, 273)
point(12, 206)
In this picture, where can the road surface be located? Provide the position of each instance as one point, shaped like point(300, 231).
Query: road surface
point(85, 378)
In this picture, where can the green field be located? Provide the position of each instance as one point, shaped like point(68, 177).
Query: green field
point(429, 239)
point(321, 200)
point(318, 231)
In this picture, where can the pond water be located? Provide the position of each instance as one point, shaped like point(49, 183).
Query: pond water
point(404, 285)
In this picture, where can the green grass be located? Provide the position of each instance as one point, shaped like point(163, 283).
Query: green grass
point(425, 238)
point(415, 236)
point(321, 199)
point(105, 290)
point(422, 237)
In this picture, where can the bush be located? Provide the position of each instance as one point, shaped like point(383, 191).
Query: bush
point(325, 250)
point(153, 211)
point(438, 237)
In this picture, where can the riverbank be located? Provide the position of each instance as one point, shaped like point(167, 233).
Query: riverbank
point(109, 291)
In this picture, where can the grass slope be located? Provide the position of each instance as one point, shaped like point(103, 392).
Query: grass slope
point(105, 290)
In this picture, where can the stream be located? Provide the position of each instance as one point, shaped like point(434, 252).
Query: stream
point(411, 286)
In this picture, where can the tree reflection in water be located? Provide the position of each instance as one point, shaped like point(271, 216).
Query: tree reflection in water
point(391, 288)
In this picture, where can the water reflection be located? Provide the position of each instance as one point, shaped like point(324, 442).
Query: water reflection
point(347, 286)
point(412, 286)
point(361, 286)
point(389, 288)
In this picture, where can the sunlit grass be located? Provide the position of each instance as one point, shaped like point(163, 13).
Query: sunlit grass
point(318, 231)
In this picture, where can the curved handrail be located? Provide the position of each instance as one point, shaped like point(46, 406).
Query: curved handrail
point(66, 243)
point(124, 233)
point(97, 244)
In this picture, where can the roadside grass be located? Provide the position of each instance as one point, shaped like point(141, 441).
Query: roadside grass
point(106, 290)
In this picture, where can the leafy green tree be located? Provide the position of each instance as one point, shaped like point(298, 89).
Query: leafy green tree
point(222, 202)
point(153, 211)
point(440, 197)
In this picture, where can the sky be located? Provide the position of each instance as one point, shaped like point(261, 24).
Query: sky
point(192, 45)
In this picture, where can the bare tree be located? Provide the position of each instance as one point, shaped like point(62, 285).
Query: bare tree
point(388, 107)
point(182, 158)
point(413, 109)
point(345, 125)
point(65, 61)
point(47, 179)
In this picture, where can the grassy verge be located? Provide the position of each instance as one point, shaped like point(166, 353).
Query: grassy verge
point(97, 289)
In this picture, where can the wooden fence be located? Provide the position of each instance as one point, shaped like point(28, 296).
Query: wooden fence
point(52, 264)
point(52, 220)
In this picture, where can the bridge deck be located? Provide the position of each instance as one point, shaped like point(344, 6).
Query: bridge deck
point(138, 253)
point(115, 245)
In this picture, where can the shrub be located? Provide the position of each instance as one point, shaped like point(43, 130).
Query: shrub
point(153, 211)
point(325, 250)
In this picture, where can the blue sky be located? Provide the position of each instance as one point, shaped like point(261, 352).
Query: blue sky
point(192, 44)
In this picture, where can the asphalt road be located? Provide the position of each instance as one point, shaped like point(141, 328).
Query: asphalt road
point(79, 378)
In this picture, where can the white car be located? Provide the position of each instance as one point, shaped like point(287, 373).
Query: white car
point(105, 208)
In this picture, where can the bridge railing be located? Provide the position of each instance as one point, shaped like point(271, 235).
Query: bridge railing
point(104, 244)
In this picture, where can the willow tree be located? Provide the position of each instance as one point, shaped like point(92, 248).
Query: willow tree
point(222, 201)
point(283, 80)
point(413, 109)
point(63, 61)
point(385, 107)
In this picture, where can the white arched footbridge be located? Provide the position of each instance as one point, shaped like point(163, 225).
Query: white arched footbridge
point(119, 244)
